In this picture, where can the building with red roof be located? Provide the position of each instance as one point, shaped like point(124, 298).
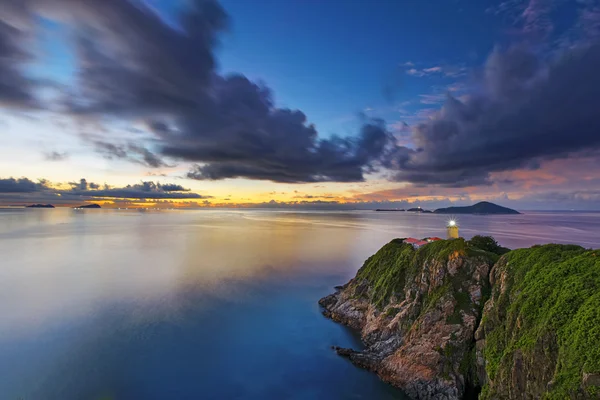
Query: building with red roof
point(416, 243)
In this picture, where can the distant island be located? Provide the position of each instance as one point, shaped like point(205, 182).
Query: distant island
point(40, 206)
point(483, 207)
point(89, 206)
point(419, 209)
point(390, 209)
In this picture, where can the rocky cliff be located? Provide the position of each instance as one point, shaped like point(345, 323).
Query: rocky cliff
point(417, 311)
point(429, 328)
point(540, 332)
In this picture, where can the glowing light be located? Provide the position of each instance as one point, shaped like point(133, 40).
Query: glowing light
point(452, 222)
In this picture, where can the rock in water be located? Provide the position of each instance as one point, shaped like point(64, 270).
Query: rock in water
point(417, 311)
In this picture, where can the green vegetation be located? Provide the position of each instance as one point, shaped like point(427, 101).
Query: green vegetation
point(552, 296)
point(463, 303)
point(487, 243)
point(386, 271)
point(397, 263)
point(544, 323)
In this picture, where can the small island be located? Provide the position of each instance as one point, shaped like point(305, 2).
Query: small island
point(483, 207)
point(40, 206)
point(418, 210)
point(88, 206)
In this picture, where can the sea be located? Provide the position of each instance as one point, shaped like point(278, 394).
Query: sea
point(204, 304)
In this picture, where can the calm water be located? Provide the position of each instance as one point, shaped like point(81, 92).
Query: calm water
point(101, 304)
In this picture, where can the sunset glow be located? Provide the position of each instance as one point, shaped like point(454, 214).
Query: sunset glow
point(209, 116)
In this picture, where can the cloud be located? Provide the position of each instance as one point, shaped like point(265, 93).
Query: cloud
point(590, 21)
point(450, 71)
point(536, 17)
point(432, 70)
point(131, 152)
point(432, 98)
point(134, 66)
point(81, 185)
point(141, 191)
point(275, 144)
point(15, 89)
point(536, 20)
point(24, 190)
point(315, 196)
point(22, 185)
point(146, 157)
point(170, 187)
point(527, 110)
point(56, 156)
point(414, 72)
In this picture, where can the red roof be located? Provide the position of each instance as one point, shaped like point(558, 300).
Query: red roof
point(415, 242)
point(433, 239)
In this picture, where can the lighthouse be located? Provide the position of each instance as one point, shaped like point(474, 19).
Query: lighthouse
point(452, 229)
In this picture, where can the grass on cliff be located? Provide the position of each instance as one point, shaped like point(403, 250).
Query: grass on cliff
point(553, 292)
point(386, 271)
point(397, 263)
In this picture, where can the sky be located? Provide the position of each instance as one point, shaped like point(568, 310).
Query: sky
point(300, 104)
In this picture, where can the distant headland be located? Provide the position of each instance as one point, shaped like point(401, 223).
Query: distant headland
point(483, 207)
point(89, 206)
point(419, 210)
point(40, 206)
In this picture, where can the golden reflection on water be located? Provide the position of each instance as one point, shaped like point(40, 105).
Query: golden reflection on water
point(246, 248)
point(64, 263)
point(60, 263)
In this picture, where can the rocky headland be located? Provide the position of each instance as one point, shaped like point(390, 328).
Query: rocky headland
point(460, 319)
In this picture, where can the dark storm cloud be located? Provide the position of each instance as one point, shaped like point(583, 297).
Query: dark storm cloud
point(23, 185)
point(146, 157)
point(134, 65)
point(25, 190)
point(15, 88)
point(124, 45)
point(170, 187)
point(244, 135)
point(130, 152)
point(141, 191)
point(526, 111)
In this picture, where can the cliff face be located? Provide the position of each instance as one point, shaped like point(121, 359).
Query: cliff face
point(419, 314)
point(417, 311)
point(540, 333)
